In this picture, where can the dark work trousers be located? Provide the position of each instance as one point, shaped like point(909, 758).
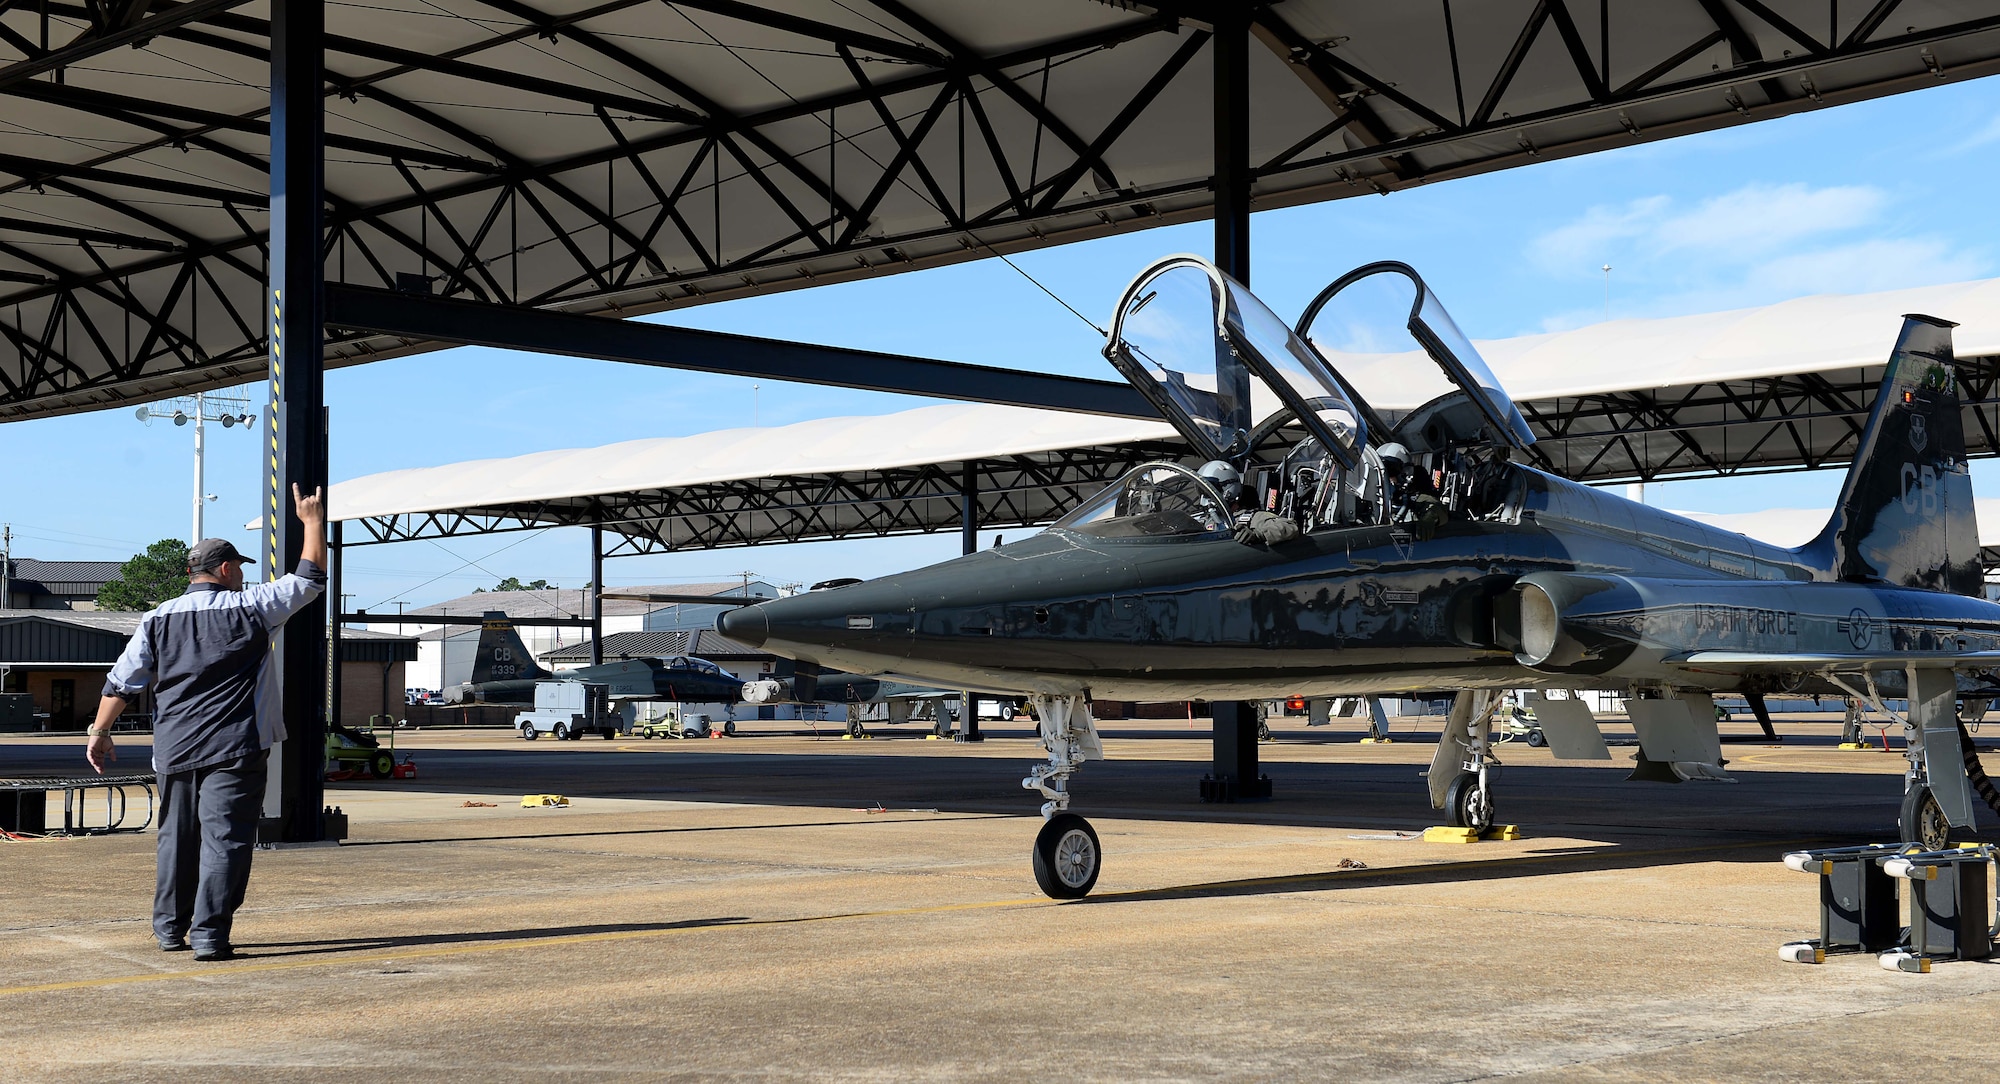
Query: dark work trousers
point(208, 826)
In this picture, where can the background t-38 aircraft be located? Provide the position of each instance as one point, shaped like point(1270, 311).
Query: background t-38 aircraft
point(1428, 555)
point(505, 672)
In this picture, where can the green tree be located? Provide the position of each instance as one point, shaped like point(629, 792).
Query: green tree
point(513, 583)
point(148, 579)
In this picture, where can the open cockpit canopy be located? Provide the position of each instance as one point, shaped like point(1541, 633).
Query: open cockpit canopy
point(1391, 340)
point(1217, 363)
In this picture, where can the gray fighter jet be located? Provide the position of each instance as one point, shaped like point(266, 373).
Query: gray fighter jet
point(1365, 521)
point(504, 671)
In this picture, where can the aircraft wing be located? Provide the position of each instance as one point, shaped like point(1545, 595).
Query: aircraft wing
point(1734, 661)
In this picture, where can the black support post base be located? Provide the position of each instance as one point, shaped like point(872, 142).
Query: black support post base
point(1229, 788)
point(1235, 777)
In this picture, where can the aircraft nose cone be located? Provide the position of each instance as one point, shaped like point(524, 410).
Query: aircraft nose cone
point(748, 625)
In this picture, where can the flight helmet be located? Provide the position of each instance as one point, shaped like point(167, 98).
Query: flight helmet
point(1220, 474)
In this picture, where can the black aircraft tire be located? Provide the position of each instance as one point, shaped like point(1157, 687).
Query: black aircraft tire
point(729, 727)
point(855, 729)
point(1458, 804)
point(529, 732)
point(1263, 731)
point(1922, 820)
point(1067, 857)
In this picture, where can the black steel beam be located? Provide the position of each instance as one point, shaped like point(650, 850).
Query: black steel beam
point(683, 600)
point(447, 320)
point(91, 45)
point(364, 617)
point(297, 412)
point(596, 600)
point(1231, 46)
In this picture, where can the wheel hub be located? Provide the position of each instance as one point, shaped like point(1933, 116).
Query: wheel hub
point(1075, 857)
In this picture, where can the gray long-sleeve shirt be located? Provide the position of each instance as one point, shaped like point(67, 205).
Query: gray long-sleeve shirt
point(207, 657)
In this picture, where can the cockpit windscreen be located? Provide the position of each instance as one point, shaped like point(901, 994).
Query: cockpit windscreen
point(1157, 500)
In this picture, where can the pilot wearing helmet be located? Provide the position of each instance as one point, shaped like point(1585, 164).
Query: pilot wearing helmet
point(1253, 525)
point(1412, 496)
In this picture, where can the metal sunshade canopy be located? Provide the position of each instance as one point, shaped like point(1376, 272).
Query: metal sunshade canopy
point(629, 156)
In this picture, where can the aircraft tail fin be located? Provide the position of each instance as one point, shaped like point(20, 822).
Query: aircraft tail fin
point(501, 656)
point(1905, 513)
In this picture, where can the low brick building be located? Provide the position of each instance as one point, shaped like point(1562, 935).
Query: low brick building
point(59, 659)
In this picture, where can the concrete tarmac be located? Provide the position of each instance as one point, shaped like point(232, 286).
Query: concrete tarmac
point(777, 907)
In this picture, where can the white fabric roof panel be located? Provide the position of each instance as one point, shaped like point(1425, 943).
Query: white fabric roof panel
point(1807, 334)
point(951, 433)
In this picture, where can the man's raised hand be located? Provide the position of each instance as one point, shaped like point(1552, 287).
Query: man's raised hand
point(310, 509)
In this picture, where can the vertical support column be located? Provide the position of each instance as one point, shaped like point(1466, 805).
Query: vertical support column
point(968, 526)
point(296, 437)
point(1232, 140)
point(596, 590)
point(1233, 776)
point(336, 558)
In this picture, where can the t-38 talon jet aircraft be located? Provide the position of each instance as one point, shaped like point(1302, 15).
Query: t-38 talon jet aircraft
point(1394, 539)
point(504, 671)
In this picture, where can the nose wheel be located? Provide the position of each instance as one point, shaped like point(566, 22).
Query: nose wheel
point(1067, 857)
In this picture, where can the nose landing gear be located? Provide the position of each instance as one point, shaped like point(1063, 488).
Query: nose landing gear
point(1067, 856)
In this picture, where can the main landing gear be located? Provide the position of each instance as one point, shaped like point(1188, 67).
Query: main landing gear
point(1067, 856)
point(1460, 775)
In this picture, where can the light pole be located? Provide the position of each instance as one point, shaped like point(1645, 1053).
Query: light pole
point(1607, 292)
point(199, 414)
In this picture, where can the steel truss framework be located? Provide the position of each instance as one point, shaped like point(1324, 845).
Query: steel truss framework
point(630, 156)
point(1014, 491)
point(1800, 422)
point(1805, 421)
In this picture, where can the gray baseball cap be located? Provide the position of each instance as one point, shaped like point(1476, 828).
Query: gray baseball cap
point(209, 554)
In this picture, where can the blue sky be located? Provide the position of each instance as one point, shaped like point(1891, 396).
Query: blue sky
point(1871, 196)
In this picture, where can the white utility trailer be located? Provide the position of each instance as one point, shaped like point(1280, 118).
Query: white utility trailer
point(570, 709)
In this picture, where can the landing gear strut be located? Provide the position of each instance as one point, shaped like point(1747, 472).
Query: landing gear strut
point(1460, 775)
point(1066, 856)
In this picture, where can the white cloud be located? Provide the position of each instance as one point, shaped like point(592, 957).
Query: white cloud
point(1865, 267)
point(1590, 238)
point(1980, 138)
point(1758, 218)
point(1756, 245)
point(1736, 227)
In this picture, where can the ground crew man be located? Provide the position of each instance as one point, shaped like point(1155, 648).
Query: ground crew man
point(207, 657)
